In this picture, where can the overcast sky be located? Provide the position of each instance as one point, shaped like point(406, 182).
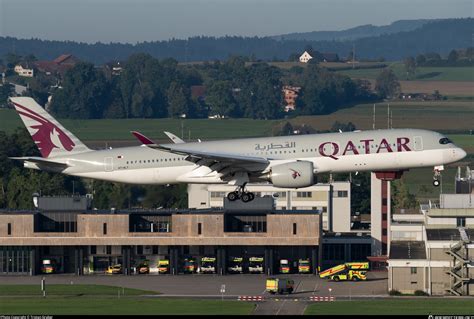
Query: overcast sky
point(146, 20)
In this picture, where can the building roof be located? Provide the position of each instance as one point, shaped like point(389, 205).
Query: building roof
point(407, 250)
point(451, 234)
point(62, 58)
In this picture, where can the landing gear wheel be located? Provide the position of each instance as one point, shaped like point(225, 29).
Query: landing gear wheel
point(232, 196)
point(252, 196)
point(246, 197)
point(436, 182)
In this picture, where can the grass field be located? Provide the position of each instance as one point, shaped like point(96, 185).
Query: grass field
point(463, 74)
point(120, 129)
point(448, 116)
point(445, 116)
point(394, 307)
point(90, 299)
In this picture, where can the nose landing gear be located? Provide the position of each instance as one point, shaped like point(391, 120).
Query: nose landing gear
point(437, 175)
point(242, 194)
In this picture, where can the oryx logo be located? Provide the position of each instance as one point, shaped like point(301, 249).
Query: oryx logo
point(48, 135)
point(295, 174)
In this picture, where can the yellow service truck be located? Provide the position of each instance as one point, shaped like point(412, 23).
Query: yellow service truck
point(304, 266)
point(349, 271)
point(280, 285)
point(163, 266)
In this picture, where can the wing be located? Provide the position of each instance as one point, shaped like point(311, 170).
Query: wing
point(174, 138)
point(229, 167)
point(224, 164)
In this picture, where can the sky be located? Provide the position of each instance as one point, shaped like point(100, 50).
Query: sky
point(131, 21)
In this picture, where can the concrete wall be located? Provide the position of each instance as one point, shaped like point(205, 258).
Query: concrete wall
point(402, 279)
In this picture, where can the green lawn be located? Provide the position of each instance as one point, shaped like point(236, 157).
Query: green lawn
point(444, 116)
point(108, 129)
point(422, 73)
point(423, 306)
point(95, 299)
point(70, 290)
point(121, 306)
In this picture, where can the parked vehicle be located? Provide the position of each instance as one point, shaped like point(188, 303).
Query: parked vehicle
point(143, 267)
point(115, 269)
point(349, 271)
point(280, 285)
point(304, 266)
point(208, 265)
point(48, 266)
point(284, 266)
point(189, 265)
point(235, 265)
point(256, 265)
point(163, 266)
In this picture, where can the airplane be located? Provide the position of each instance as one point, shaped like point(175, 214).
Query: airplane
point(285, 161)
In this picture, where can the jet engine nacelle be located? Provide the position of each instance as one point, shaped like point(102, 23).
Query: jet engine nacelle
point(292, 175)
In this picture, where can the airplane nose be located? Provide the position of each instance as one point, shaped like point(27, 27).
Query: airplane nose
point(460, 153)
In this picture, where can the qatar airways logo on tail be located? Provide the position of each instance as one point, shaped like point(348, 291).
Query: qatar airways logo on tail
point(369, 146)
point(48, 136)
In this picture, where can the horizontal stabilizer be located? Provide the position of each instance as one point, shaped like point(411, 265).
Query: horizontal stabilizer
point(41, 161)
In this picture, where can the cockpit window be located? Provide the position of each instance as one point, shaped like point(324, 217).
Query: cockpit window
point(445, 140)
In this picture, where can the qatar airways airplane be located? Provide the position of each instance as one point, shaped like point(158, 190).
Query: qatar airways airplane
point(285, 161)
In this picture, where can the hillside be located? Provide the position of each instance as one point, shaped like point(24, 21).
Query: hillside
point(439, 36)
point(363, 31)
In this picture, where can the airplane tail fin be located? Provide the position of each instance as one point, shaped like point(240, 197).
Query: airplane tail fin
point(51, 138)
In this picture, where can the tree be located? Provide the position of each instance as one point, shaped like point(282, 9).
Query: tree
point(221, 100)
point(179, 101)
point(294, 57)
point(84, 93)
point(453, 57)
point(401, 197)
point(6, 90)
point(410, 66)
point(420, 60)
point(386, 84)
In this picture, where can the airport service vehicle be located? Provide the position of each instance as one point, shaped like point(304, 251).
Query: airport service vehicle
point(304, 266)
point(189, 265)
point(163, 266)
point(280, 285)
point(208, 265)
point(256, 265)
point(143, 268)
point(115, 269)
point(235, 265)
point(284, 266)
point(285, 161)
point(349, 271)
point(48, 266)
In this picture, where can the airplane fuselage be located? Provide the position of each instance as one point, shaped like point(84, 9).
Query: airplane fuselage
point(379, 150)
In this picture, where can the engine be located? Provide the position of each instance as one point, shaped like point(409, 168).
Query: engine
point(292, 175)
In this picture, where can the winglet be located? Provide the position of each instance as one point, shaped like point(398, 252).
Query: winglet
point(174, 138)
point(142, 138)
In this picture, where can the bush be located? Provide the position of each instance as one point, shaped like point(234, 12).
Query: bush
point(420, 293)
point(395, 293)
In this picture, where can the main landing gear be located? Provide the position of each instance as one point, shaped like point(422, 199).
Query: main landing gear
point(242, 194)
point(437, 175)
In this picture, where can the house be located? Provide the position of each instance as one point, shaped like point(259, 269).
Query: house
point(198, 92)
point(320, 57)
point(290, 93)
point(305, 57)
point(59, 65)
point(22, 69)
point(330, 57)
